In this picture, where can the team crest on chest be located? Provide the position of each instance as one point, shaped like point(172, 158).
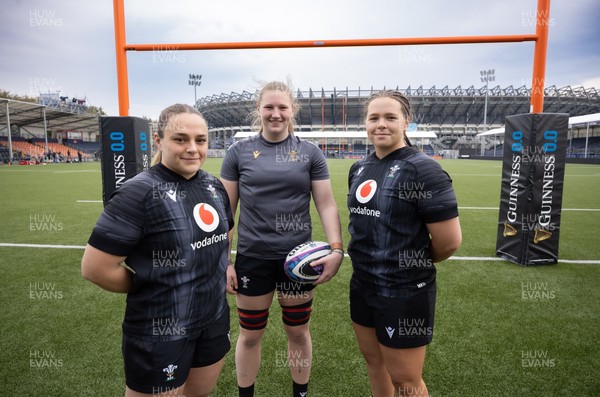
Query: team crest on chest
point(213, 191)
point(392, 171)
point(293, 155)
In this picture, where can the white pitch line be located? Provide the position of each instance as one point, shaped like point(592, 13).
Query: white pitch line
point(452, 258)
point(564, 209)
point(74, 171)
point(475, 258)
point(478, 208)
point(42, 246)
point(491, 258)
point(455, 174)
point(460, 208)
point(593, 262)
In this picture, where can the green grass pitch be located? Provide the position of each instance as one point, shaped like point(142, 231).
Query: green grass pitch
point(501, 329)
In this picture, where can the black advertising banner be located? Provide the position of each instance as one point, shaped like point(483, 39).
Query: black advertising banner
point(126, 151)
point(515, 188)
point(533, 172)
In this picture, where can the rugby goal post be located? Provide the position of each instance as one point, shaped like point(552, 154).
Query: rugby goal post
point(539, 57)
point(531, 199)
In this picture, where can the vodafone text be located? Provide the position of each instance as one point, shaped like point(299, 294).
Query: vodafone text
point(215, 238)
point(365, 211)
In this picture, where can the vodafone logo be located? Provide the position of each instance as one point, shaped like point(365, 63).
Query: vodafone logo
point(206, 217)
point(366, 191)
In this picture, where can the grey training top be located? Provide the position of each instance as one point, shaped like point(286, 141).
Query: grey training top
point(274, 185)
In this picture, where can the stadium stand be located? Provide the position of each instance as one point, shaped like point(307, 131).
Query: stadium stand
point(25, 149)
point(47, 118)
point(83, 146)
point(577, 147)
point(35, 150)
point(455, 115)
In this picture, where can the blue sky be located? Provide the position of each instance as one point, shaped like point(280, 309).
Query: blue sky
point(68, 46)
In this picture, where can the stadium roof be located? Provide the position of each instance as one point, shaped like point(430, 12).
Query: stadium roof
point(576, 120)
point(493, 131)
point(588, 118)
point(431, 106)
point(64, 117)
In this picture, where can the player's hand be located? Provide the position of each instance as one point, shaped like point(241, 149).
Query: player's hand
point(331, 264)
point(232, 284)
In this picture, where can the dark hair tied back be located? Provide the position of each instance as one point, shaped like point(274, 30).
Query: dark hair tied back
point(398, 96)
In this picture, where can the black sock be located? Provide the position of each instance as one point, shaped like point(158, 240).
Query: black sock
point(246, 391)
point(300, 390)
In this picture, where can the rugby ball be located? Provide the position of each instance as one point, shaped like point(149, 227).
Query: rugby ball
point(297, 263)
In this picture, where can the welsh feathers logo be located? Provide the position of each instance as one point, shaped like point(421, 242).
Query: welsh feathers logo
point(206, 217)
point(366, 191)
point(170, 371)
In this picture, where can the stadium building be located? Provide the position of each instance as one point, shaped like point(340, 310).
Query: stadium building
point(57, 129)
point(445, 121)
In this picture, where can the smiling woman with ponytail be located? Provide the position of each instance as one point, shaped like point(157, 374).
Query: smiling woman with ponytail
point(272, 176)
point(176, 325)
point(408, 220)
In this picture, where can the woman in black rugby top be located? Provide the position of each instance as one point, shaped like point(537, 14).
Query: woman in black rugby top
point(403, 219)
point(170, 225)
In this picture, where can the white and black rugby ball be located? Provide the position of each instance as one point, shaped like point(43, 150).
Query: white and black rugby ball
point(297, 263)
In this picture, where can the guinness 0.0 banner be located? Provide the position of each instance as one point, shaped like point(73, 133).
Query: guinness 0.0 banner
point(533, 172)
point(126, 149)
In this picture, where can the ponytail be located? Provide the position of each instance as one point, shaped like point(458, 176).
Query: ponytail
point(156, 158)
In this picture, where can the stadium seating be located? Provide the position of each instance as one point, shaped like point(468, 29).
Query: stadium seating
point(85, 147)
point(576, 147)
point(36, 149)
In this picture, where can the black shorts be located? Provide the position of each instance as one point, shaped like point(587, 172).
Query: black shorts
point(158, 367)
point(399, 322)
point(260, 276)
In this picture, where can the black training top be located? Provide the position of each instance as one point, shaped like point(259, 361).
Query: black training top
point(173, 232)
point(390, 201)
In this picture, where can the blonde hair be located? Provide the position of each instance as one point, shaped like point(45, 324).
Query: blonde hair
point(163, 121)
point(254, 116)
point(397, 96)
